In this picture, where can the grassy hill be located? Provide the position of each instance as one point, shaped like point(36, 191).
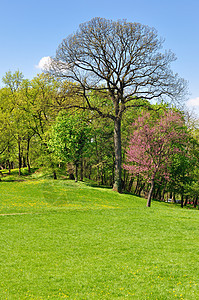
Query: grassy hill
point(61, 239)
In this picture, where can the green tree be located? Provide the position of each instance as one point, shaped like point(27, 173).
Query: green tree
point(123, 60)
point(10, 101)
point(70, 138)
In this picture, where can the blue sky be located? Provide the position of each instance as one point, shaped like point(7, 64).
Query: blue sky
point(31, 30)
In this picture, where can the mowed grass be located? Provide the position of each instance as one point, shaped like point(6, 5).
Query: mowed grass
point(65, 240)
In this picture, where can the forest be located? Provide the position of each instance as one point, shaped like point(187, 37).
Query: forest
point(107, 108)
point(159, 144)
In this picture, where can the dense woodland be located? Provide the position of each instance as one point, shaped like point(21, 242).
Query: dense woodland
point(37, 131)
point(106, 109)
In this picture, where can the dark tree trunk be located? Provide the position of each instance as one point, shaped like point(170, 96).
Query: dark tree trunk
point(98, 177)
point(118, 156)
point(163, 192)
point(89, 175)
point(130, 184)
point(76, 172)
point(174, 198)
point(102, 175)
point(27, 154)
point(113, 171)
point(157, 192)
point(24, 162)
point(82, 170)
point(137, 184)
point(186, 200)
point(54, 174)
point(9, 167)
point(150, 193)
point(141, 189)
point(195, 201)
point(182, 200)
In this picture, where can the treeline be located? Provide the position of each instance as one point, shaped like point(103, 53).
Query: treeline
point(36, 130)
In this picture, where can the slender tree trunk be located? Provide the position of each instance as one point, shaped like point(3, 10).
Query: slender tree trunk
point(195, 201)
point(141, 188)
point(182, 195)
point(98, 176)
point(163, 192)
point(186, 200)
point(90, 169)
point(24, 162)
point(157, 192)
point(113, 171)
point(137, 184)
point(76, 172)
point(27, 155)
point(130, 184)
point(182, 200)
point(9, 167)
point(150, 193)
point(118, 156)
point(9, 164)
point(54, 174)
point(82, 170)
point(19, 155)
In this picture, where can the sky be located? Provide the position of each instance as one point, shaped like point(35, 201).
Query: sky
point(33, 29)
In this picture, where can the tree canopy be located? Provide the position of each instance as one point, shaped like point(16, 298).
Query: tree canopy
point(153, 143)
point(122, 60)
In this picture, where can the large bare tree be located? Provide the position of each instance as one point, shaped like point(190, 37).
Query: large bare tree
point(125, 61)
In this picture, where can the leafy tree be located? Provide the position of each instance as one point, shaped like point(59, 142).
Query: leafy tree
point(37, 98)
point(16, 117)
point(152, 145)
point(13, 81)
point(70, 138)
point(122, 60)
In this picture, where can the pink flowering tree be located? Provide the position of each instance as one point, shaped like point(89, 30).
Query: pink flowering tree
point(152, 144)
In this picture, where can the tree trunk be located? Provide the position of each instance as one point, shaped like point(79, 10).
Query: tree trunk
point(186, 200)
point(182, 200)
point(27, 154)
point(19, 155)
point(76, 172)
point(150, 193)
point(118, 156)
point(130, 184)
point(9, 167)
point(54, 174)
point(9, 164)
point(24, 162)
point(90, 169)
point(163, 192)
point(137, 184)
point(82, 170)
point(195, 201)
point(141, 189)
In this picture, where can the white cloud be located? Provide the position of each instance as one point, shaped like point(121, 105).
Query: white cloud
point(193, 102)
point(44, 63)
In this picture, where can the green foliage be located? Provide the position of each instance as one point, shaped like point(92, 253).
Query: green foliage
point(13, 81)
point(28, 112)
point(70, 137)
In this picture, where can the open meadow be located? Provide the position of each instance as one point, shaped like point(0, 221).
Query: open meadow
point(60, 239)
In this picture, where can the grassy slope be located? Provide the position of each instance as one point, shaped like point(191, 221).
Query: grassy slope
point(79, 242)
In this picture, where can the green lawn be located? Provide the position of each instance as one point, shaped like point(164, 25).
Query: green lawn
point(65, 240)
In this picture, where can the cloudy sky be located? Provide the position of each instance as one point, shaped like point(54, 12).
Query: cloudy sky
point(31, 31)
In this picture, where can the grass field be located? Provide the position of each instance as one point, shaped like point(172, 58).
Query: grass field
point(65, 240)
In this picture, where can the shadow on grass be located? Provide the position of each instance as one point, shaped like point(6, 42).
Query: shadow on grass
point(94, 184)
point(14, 175)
